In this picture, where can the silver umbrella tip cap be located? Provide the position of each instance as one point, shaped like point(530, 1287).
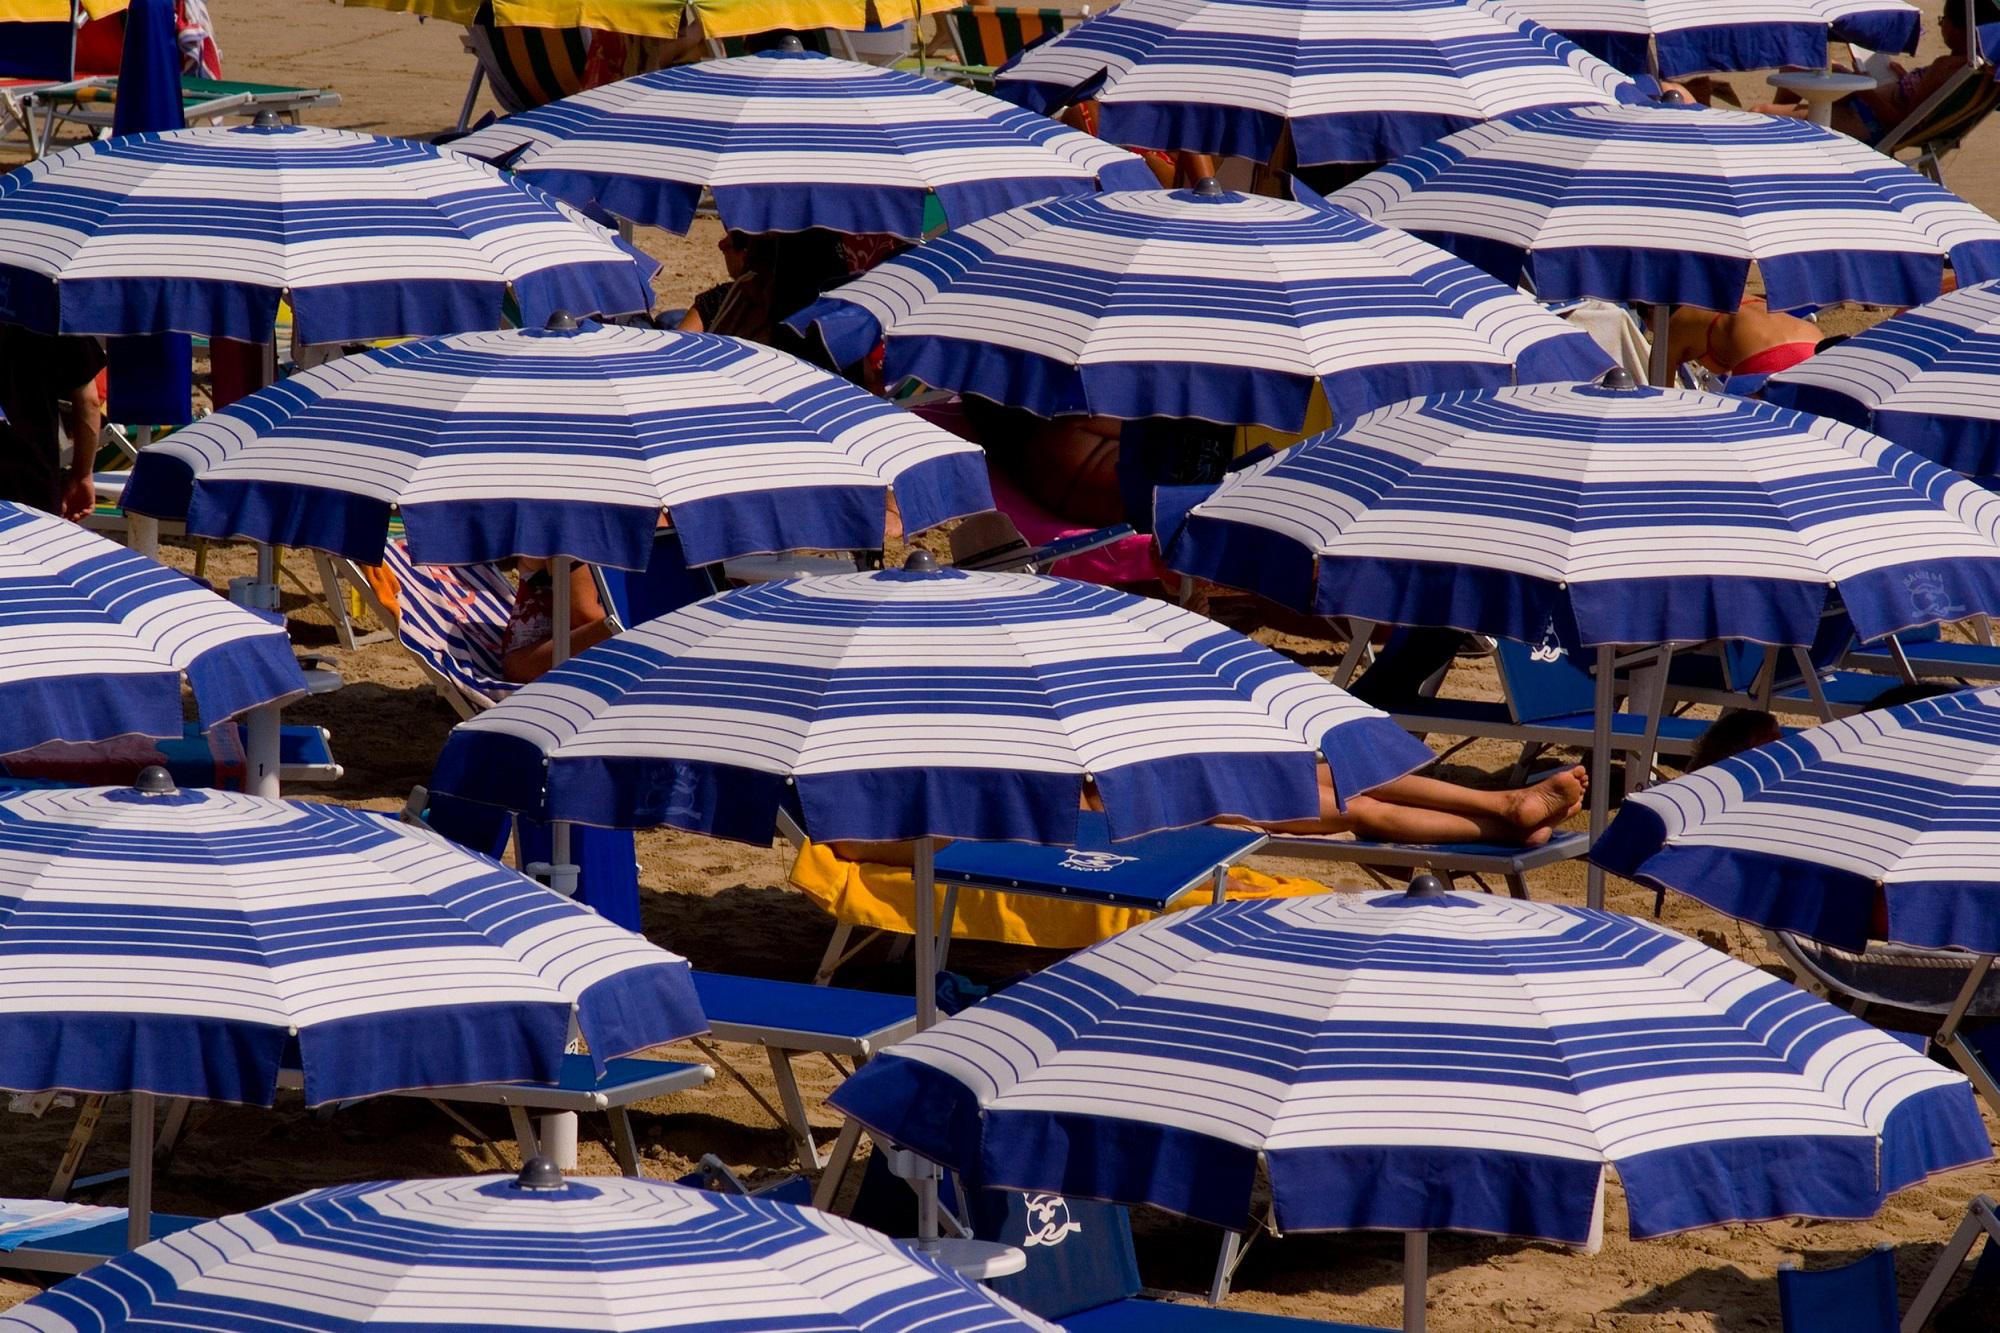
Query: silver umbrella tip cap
point(920, 562)
point(1619, 378)
point(791, 45)
point(539, 1173)
point(1208, 187)
point(1425, 886)
point(154, 781)
point(266, 119)
point(561, 322)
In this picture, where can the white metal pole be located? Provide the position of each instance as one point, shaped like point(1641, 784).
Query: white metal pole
point(1600, 765)
point(139, 1199)
point(261, 751)
point(923, 876)
point(1416, 1279)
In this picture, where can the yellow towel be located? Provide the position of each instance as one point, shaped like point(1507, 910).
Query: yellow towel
point(881, 897)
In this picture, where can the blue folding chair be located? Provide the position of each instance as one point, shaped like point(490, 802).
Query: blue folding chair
point(1855, 1298)
point(1082, 1271)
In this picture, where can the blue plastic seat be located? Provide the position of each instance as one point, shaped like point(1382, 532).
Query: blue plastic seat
point(1855, 1298)
point(799, 1017)
point(87, 1247)
point(1149, 871)
point(1136, 1314)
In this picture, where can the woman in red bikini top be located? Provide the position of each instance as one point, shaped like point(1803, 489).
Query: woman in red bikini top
point(1752, 341)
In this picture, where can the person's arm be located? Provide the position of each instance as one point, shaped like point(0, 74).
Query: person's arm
point(86, 423)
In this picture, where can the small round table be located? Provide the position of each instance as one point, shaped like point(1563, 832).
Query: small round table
point(1819, 89)
point(976, 1260)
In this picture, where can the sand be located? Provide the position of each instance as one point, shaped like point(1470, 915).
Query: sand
point(726, 906)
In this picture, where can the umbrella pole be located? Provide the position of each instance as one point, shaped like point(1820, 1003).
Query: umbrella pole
point(139, 1200)
point(923, 878)
point(1600, 766)
point(1657, 368)
point(261, 751)
point(1416, 1279)
point(558, 1130)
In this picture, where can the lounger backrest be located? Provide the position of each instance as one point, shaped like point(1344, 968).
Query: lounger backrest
point(1948, 114)
point(994, 34)
point(455, 619)
point(1855, 1298)
point(530, 67)
point(1079, 1252)
point(1542, 681)
point(1831, 642)
point(665, 584)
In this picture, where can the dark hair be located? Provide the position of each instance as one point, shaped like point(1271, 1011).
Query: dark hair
point(1910, 692)
point(1734, 732)
point(1983, 13)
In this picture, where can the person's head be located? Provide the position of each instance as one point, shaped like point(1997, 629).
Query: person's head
point(1910, 693)
point(1735, 731)
point(742, 251)
point(1951, 22)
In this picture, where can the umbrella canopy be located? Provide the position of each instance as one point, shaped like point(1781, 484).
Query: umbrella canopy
point(564, 442)
point(1189, 303)
point(1676, 38)
point(1672, 204)
point(195, 943)
point(1807, 834)
point(1349, 80)
point(1586, 515)
point(204, 230)
point(905, 704)
point(662, 18)
point(94, 641)
point(536, 1254)
point(789, 140)
point(1422, 1063)
point(1928, 378)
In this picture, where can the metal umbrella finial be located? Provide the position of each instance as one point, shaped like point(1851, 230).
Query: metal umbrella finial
point(1618, 378)
point(1425, 885)
point(267, 120)
point(539, 1173)
point(920, 561)
point(791, 45)
point(561, 322)
point(1208, 187)
point(154, 780)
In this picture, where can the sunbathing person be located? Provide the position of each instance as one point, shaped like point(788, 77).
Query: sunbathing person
point(528, 647)
point(1871, 114)
point(1751, 341)
point(1409, 809)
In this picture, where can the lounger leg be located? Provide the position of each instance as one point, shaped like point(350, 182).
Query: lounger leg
point(837, 1163)
point(1226, 1260)
point(1948, 1036)
point(1517, 886)
point(623, 1145)
point(524, 1132)
point(1979, 1217)
point(795, 1110)
point(945, 921)
point(79, 1143)
point(729, 1068)
point(835, 955)
point(171, 1128)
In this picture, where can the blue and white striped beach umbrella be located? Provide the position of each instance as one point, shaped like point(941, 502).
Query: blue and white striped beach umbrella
point(196, 943)
point(561, 443)
point(788, 140)
point(1928, 378)
point(1583, 515)
point(1350, 80)
point(905, 704)
point(1898, 806)
point(204, 230)
point(1419, 1064)
point(95, 641)
point(1676, 38)
point(1672, 204)
point(1220, 306)
point(489, 1252)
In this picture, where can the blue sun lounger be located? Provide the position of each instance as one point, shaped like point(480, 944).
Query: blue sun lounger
point(85, 1247)
point(1448, 861)
point(792, 1018)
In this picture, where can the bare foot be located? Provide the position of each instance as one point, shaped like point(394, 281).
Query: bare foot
point(1539, 808)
